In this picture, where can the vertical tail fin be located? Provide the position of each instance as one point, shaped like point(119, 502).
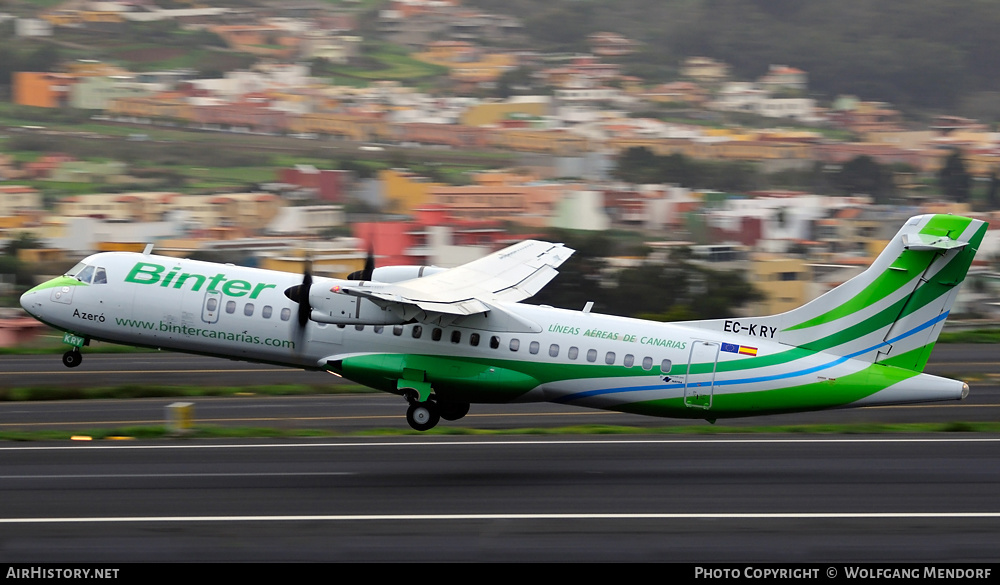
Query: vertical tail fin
point(893, 312)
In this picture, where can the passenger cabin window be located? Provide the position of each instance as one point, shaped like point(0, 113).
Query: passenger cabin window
point(359, 327)
point(554, 350)
point(456, 336)
point(647, 363)
point(609, 358)
point(629, 360)
point(436, 334)
point(417, 331)
point(266, 312)
point(474, 340)
point(515, 344)
point(212, 304)
point(533, 347)
point(494, 342)
point(248, 309)
point(573, 353)
point(591, 355)
point(397, 330)
point(231, 307)
point(378, 328)
point(665, 366)
point(286, 313)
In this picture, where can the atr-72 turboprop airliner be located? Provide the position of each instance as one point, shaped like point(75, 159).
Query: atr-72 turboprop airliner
point(444, 339)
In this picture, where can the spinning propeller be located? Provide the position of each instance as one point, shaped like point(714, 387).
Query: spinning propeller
point(300, 292)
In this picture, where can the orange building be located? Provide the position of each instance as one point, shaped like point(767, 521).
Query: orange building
point(43, 90)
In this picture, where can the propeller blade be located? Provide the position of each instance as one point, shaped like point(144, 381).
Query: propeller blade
point(305, 309)
point(300, 294)
point(369, 269)
point(369, 264)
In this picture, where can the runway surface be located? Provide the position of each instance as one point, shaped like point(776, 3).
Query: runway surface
point(750, 498)
point(779, 499)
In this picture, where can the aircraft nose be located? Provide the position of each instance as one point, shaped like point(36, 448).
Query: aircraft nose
point(29, 302)
point(32, 300)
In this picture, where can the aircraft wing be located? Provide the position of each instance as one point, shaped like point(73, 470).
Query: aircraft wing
point(510, 275)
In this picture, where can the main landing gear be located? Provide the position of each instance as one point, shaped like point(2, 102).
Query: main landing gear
point(424, 416)
point(72, 358)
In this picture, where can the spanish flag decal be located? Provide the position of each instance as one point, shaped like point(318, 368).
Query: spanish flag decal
point(741, 349)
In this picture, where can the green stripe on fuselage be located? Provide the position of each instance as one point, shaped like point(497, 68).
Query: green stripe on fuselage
point(814, 396)
point(57, 282)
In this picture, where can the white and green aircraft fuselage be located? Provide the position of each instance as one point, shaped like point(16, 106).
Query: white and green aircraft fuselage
point(445, 339)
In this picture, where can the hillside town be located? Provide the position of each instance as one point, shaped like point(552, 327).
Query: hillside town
point(562, 123)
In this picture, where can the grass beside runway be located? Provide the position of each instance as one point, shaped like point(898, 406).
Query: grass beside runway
point(212, 432)
point(39, 393)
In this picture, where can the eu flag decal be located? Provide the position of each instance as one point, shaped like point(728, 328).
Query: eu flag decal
point(731, 348)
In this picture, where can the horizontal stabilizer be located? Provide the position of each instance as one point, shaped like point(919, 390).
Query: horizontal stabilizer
point(924, 242)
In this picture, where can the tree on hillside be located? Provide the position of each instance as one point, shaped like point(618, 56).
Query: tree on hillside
point(863, 175)
point(993, 192)
point(637, 165)
point(676, 290)
point(954, 179)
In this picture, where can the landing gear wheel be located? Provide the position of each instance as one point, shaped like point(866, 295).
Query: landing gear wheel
point(453, 410)
point(423, 416)
point(72, 358)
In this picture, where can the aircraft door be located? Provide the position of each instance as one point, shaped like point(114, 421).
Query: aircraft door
point(330, 337)
point(212, 307)
point(699, 384)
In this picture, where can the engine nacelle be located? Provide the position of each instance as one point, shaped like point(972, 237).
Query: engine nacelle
point(339, 308)
point(400, 273)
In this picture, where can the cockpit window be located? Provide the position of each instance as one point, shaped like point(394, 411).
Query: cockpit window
point(76, 269)
point(86, 274)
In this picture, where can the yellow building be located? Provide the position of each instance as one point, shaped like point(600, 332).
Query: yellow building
point(360, 128)
point(495, 112)
point(233, 211)
point(19, 200)
point(405, 191)
point(62, 17)
point(93, 68)
point(163, 107)
point(500, 196)
point(101, 16)
point(465, 62)
point(558, 142)
point(334, 259)
point(786, 283)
